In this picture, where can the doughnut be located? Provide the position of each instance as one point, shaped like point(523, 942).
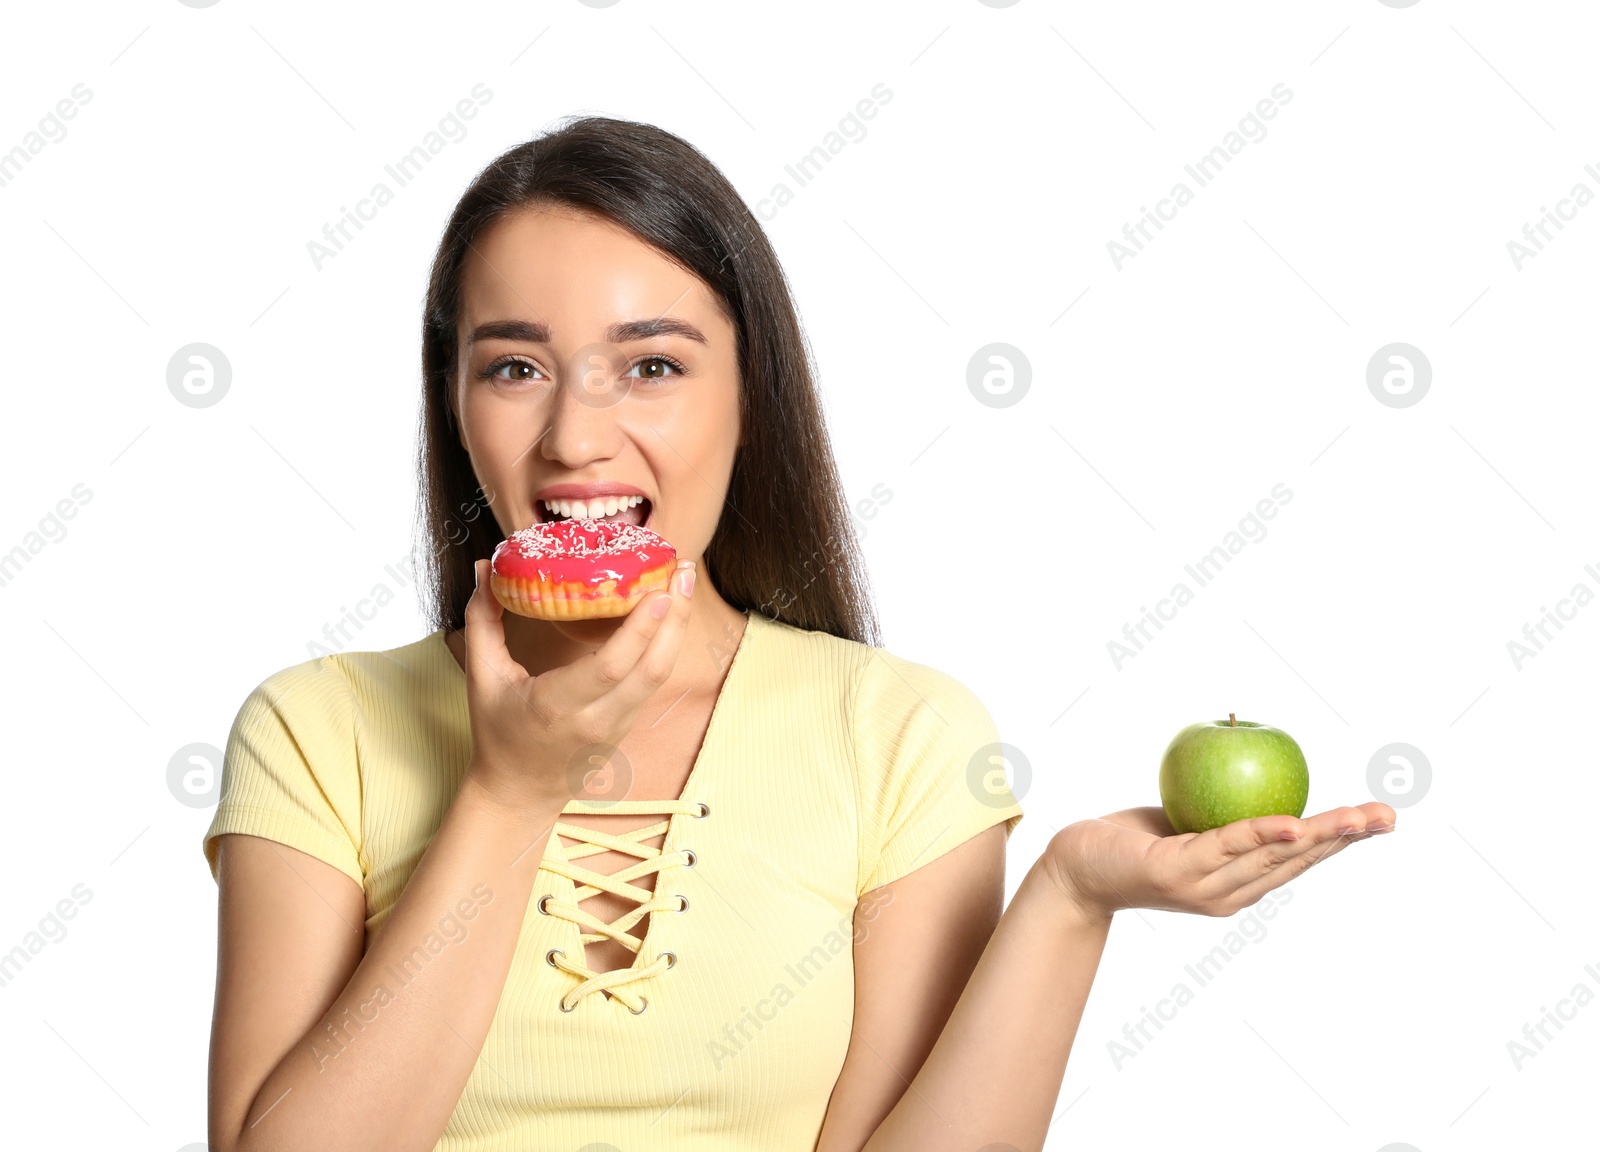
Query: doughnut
point(582, 569)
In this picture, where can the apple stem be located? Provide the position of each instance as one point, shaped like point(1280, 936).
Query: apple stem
point(1232, 723)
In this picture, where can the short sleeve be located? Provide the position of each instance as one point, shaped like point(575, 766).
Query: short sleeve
point(928, 770)
point(289, 773)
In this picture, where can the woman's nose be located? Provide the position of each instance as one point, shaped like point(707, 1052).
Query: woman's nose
point(583, 412)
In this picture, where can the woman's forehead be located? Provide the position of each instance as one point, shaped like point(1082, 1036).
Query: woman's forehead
point(573, 270)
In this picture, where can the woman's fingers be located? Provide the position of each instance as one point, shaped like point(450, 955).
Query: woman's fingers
point(1279, 836)
point(655, 664)
point(1256, 872)
point(1380, 817)
point(612, 669)
point(1247, 894)
point(1321, 838)
point(489, 662)
point(1208, 851)
point(613, 662)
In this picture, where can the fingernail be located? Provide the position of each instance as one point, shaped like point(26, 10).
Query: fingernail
point(1347, 829)
point(1288, 834)
point(686, 581)
point(475, 576)
point(659, 606)
point(1380, 827)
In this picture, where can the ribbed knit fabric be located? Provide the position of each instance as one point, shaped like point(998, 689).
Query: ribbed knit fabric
point(829, 768)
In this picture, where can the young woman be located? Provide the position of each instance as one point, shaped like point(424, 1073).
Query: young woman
point(712, 876)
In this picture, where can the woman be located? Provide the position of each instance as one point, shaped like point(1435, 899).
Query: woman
point(711, 876)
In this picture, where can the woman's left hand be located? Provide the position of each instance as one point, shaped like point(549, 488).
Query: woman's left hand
point(1133, 858)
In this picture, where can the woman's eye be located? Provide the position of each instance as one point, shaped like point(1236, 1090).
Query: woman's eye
point(654, 368)
point(514, 370)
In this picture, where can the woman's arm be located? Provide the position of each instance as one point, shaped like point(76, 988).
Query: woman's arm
point(996, 1070)
point(926, 1076)
point(994, 1073)
point(383, 1065)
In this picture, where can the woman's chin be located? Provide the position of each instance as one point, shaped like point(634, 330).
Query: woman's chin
point(596, 631)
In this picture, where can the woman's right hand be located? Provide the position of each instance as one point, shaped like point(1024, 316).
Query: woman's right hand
point(530, 733)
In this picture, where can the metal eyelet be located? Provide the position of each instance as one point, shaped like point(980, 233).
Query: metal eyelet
point(672, 959)
point(705, 810)
point(564, 1008)
point(542, 910)
point(553, 952)
point(689, 852)
point(642, 1007)
point(684, 907)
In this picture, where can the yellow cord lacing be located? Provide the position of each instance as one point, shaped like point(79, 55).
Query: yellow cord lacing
point(587, 883)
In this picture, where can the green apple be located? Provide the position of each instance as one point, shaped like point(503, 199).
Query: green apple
point(1219, 771)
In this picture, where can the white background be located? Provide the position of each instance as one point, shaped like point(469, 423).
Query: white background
point(1167, 398)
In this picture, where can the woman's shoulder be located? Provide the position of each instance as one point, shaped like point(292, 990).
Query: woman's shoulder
point(877, 680)
point(806, 657)
point(357, 676)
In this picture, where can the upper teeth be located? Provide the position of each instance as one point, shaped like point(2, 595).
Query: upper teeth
point(599, 506)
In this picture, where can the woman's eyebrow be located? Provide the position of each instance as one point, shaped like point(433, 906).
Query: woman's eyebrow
point(538, 332)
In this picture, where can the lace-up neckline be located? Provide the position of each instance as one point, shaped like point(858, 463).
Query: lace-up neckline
point(587, 883)
point(649, 961)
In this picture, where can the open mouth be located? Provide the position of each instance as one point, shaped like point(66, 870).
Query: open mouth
point(616, 509)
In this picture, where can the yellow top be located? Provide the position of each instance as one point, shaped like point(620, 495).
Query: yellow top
point(829, 768)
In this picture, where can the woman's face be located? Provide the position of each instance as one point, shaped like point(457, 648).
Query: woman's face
point(594, 369)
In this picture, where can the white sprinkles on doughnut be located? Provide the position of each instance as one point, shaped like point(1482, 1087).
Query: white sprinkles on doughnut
point(554, 541)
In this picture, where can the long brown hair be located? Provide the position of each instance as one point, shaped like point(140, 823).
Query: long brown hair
point(783, 545)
